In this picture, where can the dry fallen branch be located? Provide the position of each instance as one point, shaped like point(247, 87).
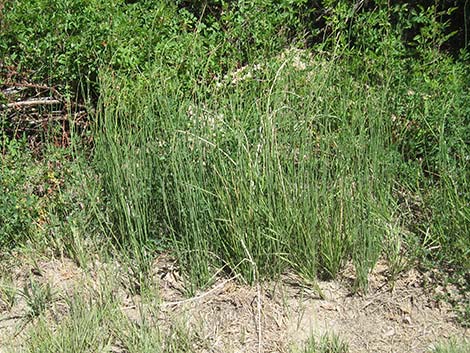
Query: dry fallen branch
point(32, 85)
point(32, 103)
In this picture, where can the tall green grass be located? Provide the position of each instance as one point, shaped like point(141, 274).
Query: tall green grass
point(286, 168)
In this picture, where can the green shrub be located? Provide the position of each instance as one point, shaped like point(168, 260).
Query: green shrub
point(43, 198)
point(67, 42)
point(18, 202)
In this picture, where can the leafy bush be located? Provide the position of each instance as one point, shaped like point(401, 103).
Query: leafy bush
point(42, 199)
point(67, 42)
point(18, 203)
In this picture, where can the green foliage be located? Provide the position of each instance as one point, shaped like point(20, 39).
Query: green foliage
point(253, 29)
point(212, 139)
point(245, 30)
point(101, 327)
point(403, 28)
point(67, 42)
point(18, 203)
point(453, 346)
point(325, 344)
point(42, 200)
point(264, 174)
point(38, 298)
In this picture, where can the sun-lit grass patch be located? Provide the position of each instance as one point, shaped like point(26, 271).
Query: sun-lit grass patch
point(264, 175)
point(328, 343)
point(453, 346)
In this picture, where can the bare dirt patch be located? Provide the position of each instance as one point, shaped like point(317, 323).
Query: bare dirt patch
point(270, 317)
point(400, 318)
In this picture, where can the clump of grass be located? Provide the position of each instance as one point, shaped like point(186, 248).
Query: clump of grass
point(394, 246)
point(294, 162)
point(453, 346)
point(84, 330)
point(127, 156)
point(101, 326)
point(8, 291)
point(38, 298)
point(281, 165)
point(263, 175)
point(328, 343)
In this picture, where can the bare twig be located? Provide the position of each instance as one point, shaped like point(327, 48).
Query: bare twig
point(32, 103)
point(32, 85)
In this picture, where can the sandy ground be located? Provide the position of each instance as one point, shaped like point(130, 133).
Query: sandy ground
point(269, 317)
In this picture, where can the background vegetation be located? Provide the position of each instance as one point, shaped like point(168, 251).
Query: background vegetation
point(249, 137)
